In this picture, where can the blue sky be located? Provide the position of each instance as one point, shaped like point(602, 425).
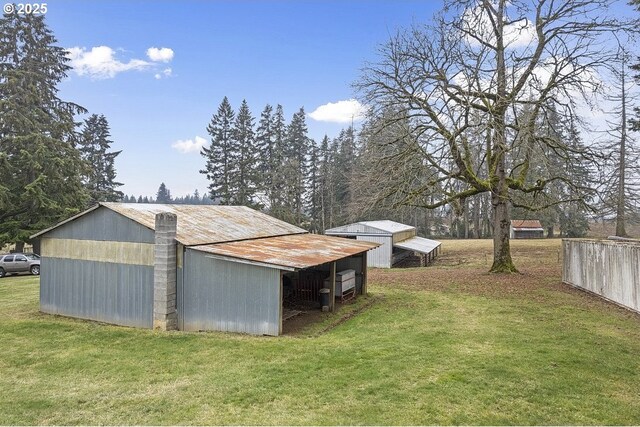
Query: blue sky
point(296, 53)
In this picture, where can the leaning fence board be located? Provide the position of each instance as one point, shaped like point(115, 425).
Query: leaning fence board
point(610, 269)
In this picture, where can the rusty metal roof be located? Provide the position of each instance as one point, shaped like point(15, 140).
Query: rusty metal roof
point(202, 224)
point(291, 252)
point(526, 224)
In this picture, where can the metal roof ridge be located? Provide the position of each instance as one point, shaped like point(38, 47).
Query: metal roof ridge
point(382, 220)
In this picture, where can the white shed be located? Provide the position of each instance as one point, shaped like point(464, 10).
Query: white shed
point(397, 240)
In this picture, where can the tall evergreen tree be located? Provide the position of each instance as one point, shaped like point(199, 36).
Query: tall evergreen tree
point(324, 172)
point(278, 177)
point(40, 168)
point(345, 167)
point(220, 156)
point(94, 143)
point(163, 195)
point(314, 187)
point(265, 148)
point(295, 166)
point(243, 144)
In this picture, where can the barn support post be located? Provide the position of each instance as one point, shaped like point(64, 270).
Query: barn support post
point(164, 273)
point(364, 273)
point(332, 289)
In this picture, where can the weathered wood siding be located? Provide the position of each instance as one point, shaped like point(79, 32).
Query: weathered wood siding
point(607, 268)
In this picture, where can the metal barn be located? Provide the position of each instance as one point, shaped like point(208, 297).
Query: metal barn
point(397, 241)
point(223, 268)
point(526, 229)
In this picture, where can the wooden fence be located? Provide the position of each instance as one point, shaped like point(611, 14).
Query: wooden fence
point(607, 268)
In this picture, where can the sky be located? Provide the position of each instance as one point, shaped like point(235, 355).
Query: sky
point(158, 70)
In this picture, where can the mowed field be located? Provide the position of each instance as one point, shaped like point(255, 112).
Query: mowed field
point(446, 344)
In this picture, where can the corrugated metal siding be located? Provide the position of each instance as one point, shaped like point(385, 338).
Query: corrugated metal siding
point(103, 224)
point(180, 253)
point(221, 295)
point(403, 235)
point(609, 269)
point(381, 256)
point(121, 294)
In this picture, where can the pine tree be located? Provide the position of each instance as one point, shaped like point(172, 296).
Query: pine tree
point(295, 167)
point(163, 195)
point(220, 157)
point(242, 182)
point(314, 187)
point(94, 144)
point(40, 168)
point(325, 183)
point(278, 177)
point(265, 139)
point(344, 167)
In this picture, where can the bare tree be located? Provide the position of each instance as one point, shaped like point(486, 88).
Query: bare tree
point(621, 174)
point(491, 59)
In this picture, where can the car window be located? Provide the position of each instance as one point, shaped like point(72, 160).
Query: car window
point(32, 256)
point(8, 258)
point(20, 258)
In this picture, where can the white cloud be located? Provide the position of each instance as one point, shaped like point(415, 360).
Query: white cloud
point(189, 145)
point(101, 63)
point(167, 72)
point(163, 54)
point(339, 112)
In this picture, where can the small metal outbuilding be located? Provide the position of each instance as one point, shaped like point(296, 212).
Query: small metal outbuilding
point(397, 241)
point(186, 267)
point(526, 229)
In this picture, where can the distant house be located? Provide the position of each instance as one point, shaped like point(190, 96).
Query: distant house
point(397, 241)
point(526, 229)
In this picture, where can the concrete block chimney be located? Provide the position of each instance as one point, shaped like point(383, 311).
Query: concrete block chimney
point(164, 273)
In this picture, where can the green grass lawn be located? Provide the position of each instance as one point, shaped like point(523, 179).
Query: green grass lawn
point(447, 344)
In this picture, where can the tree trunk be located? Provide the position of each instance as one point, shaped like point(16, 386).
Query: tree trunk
point(502, 262)
point(550, 232)
point(19, 246)
point(465, 217)
point(476, 217)
point(620, 208)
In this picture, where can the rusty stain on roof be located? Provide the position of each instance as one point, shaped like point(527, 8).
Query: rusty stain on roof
point(525, 223)
point(296, 251)
point(202, 224)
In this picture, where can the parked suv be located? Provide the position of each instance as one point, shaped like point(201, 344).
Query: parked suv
point(19, 263)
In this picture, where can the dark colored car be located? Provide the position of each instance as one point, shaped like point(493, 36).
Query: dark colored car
point(19, 263)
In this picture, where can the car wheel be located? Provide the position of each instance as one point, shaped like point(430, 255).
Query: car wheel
point(35, 270)
point(2, 272)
